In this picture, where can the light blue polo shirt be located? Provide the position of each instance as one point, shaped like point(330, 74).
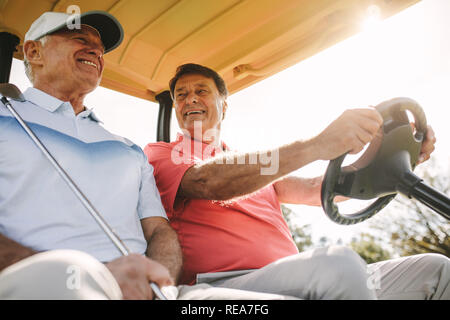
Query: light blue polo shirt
point(38, 209)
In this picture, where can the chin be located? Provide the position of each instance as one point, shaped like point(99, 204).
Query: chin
point(191, 131)
point(89, 85)
point(192, 124)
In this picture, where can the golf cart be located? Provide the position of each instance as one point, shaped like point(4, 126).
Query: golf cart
point(246, 48)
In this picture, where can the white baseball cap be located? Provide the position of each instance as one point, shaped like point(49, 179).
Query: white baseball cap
point(109, 29)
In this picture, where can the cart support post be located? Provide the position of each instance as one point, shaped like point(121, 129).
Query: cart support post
point(164, 116)
point(8, 44)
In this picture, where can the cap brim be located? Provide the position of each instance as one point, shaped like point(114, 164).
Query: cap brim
point(108, 27)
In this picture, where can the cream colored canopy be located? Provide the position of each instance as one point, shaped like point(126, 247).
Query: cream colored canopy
point(244, 40)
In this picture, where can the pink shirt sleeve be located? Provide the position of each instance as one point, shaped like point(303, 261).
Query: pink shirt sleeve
point(168, 174)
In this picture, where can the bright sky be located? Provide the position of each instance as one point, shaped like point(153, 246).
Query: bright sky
point(407, 55)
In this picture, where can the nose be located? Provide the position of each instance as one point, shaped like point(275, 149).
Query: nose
point(97, 54)
point(95, 51)
point(192, 98)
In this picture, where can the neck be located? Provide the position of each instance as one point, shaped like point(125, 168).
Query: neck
point(211, 137)
point(214, 141)
point(75, 97)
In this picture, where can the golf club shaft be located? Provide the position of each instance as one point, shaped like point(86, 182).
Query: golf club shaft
point(86, 203)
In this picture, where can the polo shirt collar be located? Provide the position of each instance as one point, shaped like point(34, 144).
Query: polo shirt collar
point(89, 113)
point(50, 103)
point(42, 99)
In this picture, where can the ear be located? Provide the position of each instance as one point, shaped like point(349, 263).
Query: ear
point(224, 108)
point(32, 50)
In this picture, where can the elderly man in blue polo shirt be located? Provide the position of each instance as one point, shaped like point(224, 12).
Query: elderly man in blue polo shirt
point(39, 213)
point(50, 247)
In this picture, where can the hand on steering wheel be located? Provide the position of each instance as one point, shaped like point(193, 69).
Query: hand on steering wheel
point(388, 160)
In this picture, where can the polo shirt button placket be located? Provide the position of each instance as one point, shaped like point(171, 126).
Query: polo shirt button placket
point(67, 111)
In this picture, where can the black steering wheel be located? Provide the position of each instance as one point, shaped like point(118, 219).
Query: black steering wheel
point(384, 169)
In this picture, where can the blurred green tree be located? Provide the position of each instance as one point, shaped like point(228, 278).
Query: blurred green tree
point(300, 234)
point(369, 248)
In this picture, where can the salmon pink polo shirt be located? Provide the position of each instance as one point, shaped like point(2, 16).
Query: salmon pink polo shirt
point(246, 233)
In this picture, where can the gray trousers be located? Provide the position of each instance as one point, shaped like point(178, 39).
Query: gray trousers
point(338, 272)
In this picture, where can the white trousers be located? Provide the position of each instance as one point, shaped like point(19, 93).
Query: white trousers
point(58, 275)
point(70, 274)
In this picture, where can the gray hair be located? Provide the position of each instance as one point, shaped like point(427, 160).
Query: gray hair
point(28, 67)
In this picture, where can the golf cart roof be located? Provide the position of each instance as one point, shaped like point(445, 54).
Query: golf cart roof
point(244, 40)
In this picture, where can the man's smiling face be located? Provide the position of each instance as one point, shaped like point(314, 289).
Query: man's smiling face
point(196, 98)
point(75, 57)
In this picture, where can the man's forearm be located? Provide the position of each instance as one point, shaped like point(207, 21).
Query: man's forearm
point(297, 190)
point(164, 248)
point(12, 252)
point(235, 175)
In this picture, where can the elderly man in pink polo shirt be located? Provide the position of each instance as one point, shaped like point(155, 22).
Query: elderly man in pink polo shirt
point(225, 207)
